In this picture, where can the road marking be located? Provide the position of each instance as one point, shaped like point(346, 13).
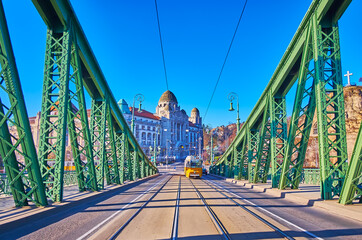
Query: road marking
point(175, 221)
point(114, 214)
point(274, 215)
point(217, 222)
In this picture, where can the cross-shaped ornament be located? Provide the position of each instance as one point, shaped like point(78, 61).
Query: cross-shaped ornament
point(348, 75)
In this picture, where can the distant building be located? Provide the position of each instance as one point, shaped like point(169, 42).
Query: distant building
point(177, 134)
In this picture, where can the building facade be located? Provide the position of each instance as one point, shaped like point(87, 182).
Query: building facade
point(175, 134)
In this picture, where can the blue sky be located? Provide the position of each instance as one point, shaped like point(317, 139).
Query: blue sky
point(196, 34)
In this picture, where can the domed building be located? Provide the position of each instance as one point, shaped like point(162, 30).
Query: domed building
point(177, 134)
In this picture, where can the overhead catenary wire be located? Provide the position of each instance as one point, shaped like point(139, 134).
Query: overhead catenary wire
point(160, 35)
point(226, 57)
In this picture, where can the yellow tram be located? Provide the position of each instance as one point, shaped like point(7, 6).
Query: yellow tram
point(193, 167)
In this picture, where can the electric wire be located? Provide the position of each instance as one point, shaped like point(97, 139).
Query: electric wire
point(163, 54)
point(226, 57)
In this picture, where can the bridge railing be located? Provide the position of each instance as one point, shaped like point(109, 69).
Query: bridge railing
point(312, 61)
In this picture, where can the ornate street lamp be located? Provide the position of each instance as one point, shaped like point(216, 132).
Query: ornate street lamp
point(232, 96)
point(140, 98)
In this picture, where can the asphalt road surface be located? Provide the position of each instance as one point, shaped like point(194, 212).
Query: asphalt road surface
point(172, 206)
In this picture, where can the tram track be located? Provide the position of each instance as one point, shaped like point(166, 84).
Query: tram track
point(217, 222)
point(263, 220)
point(237, 196)
point(120, 229)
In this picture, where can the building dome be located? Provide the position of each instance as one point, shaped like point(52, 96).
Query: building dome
point(168, 96)
point(124, 106)
point(196, 111)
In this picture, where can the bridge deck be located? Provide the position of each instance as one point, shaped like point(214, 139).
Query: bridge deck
point(207, 208)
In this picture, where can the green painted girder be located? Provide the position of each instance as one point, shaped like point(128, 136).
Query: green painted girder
point(17, 151)
point(287, 70)
point(262, 162)
point(330, 109)
point(301, 120)
point(238, 162)
point(253, 142)
point(245, 161)
point(278, 118)
point(352, 187)
point(120, 150)
point(80, 137)
point(53, 119)
point(58, 15)
point(98, 120)
point(112, 172)
point(132, 171)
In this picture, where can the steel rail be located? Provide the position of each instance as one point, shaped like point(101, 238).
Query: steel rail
point(217, 222)
point(176, 215)
point(264, 210)
point(115, 235)
point(251, 212)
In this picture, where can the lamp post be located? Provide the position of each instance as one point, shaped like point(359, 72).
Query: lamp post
point(212, 149)
point(155, 149)
point(138, 97)
point(232, 96)
point(168, 152)
point(188, 140)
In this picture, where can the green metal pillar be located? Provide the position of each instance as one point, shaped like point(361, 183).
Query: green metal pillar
point(53, 122)
point(131, 171)
point(22, 169)
point(278, 141)
point(98, 129)
point(120, 149)
point(79, 134)
point(238, 161)
point(352, 187)
point(112, 172)
point(330, 109)
point(142, 168)
point(253, 141)
point(262, 162)
point(301, 120)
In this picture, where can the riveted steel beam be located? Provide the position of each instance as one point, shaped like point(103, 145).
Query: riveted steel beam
point(17, 147)
point(262, 161)
point(330, 108)
point(287, 70)
point(301, 120)
point(98, 131)
point(79, 134)
point(54, 111)
point(57, 14)
point(352, 187)
point(278, 118)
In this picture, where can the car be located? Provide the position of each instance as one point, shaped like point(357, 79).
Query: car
point(204, 171)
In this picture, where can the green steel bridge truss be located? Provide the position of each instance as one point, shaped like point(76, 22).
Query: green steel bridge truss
point(263, 146)
point(103, 149)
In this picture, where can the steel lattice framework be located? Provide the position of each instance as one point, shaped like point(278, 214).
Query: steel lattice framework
point(313, 60)
point(100, 149)
point(24, 175)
